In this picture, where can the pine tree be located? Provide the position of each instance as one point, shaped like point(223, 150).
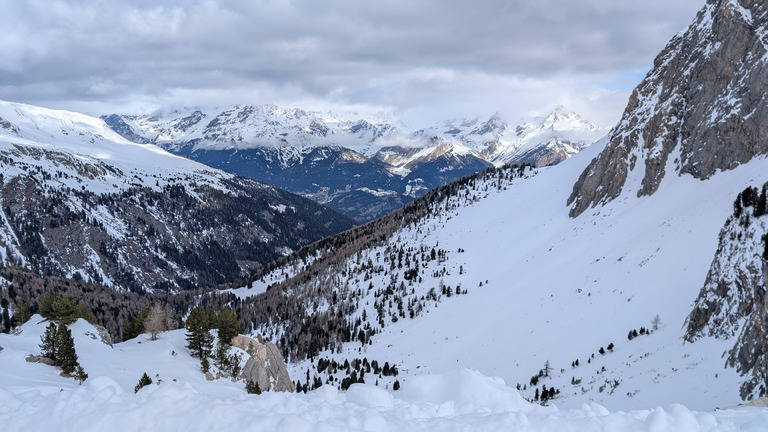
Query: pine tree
point(65, 350)
point(144, 381)
point(22, 314)
point(199, 339)
point(229, 326)
point(80, 374)
point(252, 387)
point(765, 247)
point(48, 342)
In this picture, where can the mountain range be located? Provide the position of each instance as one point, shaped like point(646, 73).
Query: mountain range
point(80, 201)
point(610, 288)
point(363, 168)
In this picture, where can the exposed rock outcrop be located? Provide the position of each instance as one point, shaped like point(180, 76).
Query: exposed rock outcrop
point(33, 358)
point(698, 111)
point(102, 335)
point(266, 366)
point(733, 305)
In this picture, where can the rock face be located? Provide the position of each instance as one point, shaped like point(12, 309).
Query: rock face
point(732, 304)
point(266, 366)
point(698, 111)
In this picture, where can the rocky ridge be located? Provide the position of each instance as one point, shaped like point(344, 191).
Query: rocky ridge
point(700, 109)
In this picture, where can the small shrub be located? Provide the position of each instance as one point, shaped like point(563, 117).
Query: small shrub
point(143, 382)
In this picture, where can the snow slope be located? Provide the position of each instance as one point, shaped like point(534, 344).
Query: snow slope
point(39, 399)
point(546, 287)
point(559, 289)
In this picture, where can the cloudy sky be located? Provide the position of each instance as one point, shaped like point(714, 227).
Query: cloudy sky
point(421, 59)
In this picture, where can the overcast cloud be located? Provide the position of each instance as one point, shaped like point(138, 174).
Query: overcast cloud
point(425, 59)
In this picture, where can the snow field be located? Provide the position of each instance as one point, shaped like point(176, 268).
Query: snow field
point(459, 400)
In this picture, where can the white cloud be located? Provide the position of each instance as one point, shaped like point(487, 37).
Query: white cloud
point(433, 57)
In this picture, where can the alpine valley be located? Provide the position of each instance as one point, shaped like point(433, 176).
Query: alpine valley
point(623, 288)
point(362, 167)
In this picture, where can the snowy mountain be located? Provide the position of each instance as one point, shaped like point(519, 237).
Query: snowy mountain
point(583, 277)
point(539, 142)
point(363, 168)
point(80, 201)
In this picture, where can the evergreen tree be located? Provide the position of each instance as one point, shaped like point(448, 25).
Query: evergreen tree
point(65, 350)
point(228, 325)
point(252, 387)
point(48, 342)
point(144, 381)
point(135, 326)
point(199, 339)
point(22, 314)
point(765, 247)
point(80, 374)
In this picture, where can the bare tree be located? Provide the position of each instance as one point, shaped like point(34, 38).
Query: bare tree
point(547, 369)
point(159, 320)
point(656, 322)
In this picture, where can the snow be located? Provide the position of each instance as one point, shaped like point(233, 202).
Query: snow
point(547, 287)
point(267, 126)
point(94, 157)
point(34, 397)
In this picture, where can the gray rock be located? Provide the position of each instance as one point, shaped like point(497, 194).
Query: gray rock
point(732, 304)
point(265, 365)
point(32, 358)
point(703, 98)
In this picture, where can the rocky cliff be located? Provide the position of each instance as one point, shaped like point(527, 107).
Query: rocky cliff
point(732, 304)
point(701, 109)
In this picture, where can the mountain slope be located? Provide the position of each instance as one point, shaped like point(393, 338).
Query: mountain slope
point(593, 303)
point(535, 292)
point(78, 200)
